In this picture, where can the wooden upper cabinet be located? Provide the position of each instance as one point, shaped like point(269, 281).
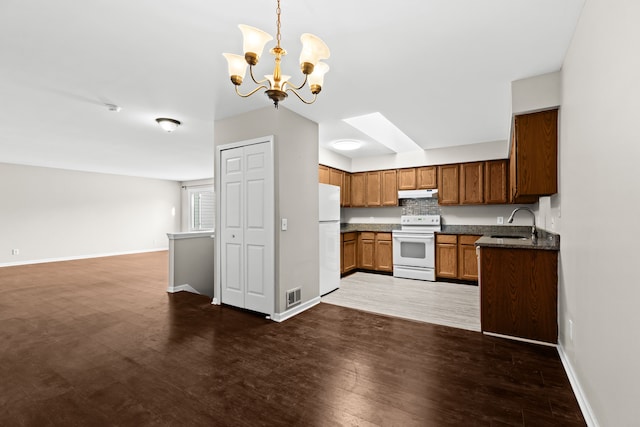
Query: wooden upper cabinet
point(448, 184)
point(472, 183)
point(358, 193)
point(407, 179)
point(389, 188)
point(373, 188)
point(335, 177)
point(534, 156)
point(323, 174)
point(345, 195)
point(495, 181)
point(426, 177)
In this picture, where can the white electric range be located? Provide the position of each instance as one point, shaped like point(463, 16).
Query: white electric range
point(414, 247)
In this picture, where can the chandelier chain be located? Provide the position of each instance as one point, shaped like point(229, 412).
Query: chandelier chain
point(278, 23)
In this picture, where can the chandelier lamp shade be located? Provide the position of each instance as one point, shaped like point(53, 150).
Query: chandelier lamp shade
point(277, 85)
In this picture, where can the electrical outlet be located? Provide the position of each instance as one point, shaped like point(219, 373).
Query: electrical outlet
point(570, 329)
point(500, 220)
point(15, 251)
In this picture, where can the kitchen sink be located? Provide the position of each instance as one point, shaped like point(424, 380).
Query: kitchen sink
point(512, 236)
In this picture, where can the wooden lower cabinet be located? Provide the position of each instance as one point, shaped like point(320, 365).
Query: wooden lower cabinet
point(467, 258)
point(519, 293)
point(384, 252)
point(447, 256)
point(366, 250)
point(348, 258)
point(456, 257)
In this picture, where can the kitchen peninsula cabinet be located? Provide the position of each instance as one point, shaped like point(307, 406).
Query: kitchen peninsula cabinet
point(472, 183)
point(518, 292)
point(533, 163)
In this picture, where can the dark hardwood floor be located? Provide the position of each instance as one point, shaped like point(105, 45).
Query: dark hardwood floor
point(100, 342)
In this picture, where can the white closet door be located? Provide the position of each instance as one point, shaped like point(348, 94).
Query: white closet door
point(247, 223)
point(231, 221)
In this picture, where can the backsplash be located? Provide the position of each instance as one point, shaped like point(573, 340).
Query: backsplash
point(420, 206)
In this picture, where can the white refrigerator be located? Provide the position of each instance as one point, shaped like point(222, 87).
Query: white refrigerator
point(329, 217)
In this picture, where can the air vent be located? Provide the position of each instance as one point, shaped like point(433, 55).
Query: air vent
point(293, 297)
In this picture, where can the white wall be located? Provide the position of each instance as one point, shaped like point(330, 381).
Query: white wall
point(296, 181)
point(600, 210)
point(333, 159)
point(536, 93)
point(438, 156)
point(52, 214)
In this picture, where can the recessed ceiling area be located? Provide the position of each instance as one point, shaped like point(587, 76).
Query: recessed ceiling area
point(438, 70)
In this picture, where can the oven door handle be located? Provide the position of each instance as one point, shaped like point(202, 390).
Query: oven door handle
point(418, 239)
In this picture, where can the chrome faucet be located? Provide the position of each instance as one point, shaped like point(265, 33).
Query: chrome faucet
point(534, 232)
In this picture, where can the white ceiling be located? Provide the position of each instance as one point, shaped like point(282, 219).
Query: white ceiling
point(439, 69)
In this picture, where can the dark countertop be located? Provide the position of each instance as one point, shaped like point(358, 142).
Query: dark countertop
point(546, 240)
point(346, 228)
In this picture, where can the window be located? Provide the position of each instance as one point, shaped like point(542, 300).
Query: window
point(201, 209)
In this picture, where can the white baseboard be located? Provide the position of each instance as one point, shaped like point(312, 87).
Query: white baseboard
point(179, 288)
point(587, 412)
point(510, 337)
point(281, 317)
point(77, 257)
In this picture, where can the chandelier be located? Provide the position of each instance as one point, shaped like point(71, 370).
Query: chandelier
point(313, 50)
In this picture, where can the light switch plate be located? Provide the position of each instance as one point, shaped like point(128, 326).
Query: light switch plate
point(284, 224)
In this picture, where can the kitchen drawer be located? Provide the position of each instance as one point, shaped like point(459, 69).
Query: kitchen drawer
point(447, 238)
point(383, 236)
point(467, 239)
point(347, 237)
point(367, 235)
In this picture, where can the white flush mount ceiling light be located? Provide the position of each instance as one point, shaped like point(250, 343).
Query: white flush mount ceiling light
point(277, 85)
point(113, 107)
point(346, 144)
point(168, 124)
point(382, 130)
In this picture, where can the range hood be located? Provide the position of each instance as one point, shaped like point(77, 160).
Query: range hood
point(417, 194)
